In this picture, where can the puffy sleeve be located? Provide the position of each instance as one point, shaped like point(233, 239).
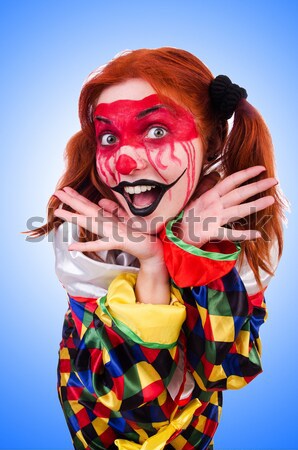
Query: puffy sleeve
point(223, 316)
point(115, 349)
point(122, 351)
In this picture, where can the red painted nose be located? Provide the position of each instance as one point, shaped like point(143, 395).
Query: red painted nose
point(125, 164)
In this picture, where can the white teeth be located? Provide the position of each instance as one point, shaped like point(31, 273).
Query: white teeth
point(137, 189)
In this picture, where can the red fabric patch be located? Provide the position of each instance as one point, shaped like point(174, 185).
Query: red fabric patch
point(255, 300)
point(96, 360)
point(74, 393)
point(150, 353)
point(101, 410)
point(83, 418)
point(210, 427)
point(118, 387)
point(113, 337)
point(64, 366)
point(153, 390)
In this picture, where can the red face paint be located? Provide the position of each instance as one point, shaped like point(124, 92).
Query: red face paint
point(147, 140)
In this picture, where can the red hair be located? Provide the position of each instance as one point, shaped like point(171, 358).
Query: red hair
point(180, 76)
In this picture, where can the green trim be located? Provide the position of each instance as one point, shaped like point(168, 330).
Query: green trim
point(128, 332)
point(195, 250)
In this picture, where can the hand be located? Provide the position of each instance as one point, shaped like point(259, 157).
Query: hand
point(109, 221)
point(205, 216)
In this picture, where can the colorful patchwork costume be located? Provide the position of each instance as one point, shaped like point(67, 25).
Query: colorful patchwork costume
point(142, 376)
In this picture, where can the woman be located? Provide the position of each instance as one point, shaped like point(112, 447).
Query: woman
point(166, 260)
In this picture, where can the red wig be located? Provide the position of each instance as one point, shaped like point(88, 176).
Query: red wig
point(178, 75)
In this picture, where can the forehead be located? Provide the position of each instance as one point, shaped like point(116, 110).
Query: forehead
point(132, 89)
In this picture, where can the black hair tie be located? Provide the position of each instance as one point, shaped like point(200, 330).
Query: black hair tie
point(225, 96)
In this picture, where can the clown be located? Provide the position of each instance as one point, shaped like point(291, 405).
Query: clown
point(162, 247)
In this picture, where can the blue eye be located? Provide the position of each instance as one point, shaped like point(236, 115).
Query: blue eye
point(156, 133)
point(108, 139)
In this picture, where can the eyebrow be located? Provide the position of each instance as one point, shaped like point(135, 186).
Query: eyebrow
point(151, 110)
point(103, 119)
point(142, 114)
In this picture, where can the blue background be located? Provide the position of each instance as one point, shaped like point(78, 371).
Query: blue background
point(48, 49)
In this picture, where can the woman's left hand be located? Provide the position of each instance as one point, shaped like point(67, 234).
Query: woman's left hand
point(205, 217)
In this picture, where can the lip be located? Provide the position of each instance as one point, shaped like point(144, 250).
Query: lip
point(151, 208)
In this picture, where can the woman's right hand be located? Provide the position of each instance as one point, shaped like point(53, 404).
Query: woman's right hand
point(110, 222)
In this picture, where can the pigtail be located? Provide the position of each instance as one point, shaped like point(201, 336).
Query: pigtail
point(249, 144)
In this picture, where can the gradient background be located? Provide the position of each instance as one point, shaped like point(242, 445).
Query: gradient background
point(48, 49)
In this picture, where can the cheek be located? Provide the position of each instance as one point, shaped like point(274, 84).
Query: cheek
point(105, 162)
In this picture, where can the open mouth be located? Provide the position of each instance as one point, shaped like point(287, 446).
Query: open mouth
point(143, 196)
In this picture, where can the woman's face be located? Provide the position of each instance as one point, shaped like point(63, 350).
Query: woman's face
point(148, 152)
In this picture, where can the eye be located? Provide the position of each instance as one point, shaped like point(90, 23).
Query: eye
point(108, 139)
point(156, 133)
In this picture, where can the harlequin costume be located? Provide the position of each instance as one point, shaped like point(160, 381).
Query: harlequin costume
point(142, 376)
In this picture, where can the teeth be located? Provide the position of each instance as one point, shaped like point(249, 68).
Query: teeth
point(137, 189)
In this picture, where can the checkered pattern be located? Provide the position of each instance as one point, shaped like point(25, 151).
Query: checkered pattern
point(112, 388)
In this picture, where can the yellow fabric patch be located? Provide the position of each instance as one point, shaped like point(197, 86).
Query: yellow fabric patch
point(142, 433)
point(222, 328)
point(201, 423)
point(64, 353)
point(203, 314)
point(100, 425)
point(160, 324)
point(242, 343)
point(162, 398)
point(103, 317)
point(111, 401)
point(217, 373)
point(199, 381)
point(147, 373)
point(82, 440)
point(64, 377)
point(75, 406)
point(258, 345)
point(105, 356)
point(235, 382)
point(83, 331)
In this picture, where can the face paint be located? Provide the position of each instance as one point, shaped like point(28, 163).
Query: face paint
point(148, 152)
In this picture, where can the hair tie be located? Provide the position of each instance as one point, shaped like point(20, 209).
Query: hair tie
point(225, 96)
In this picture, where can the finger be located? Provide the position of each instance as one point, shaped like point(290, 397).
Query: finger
point(77, 204)
point(232, 181)
point(78, 196)
point(239, 211)
point(89, 223)
point(113, 208)
point(95, 246)
point(229, 234)
point(242, 193)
